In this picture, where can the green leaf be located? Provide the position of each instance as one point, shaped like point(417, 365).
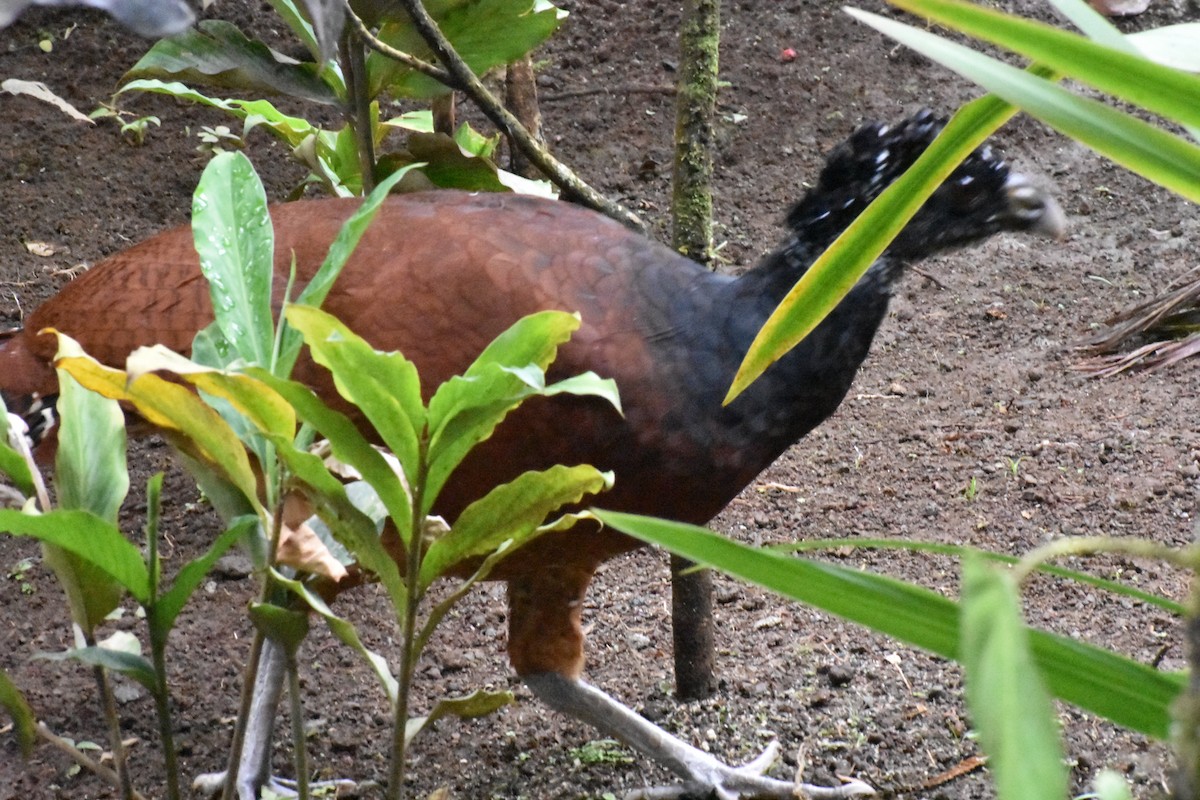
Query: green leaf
point(448, 166)
point(215, 53)
point(1119, 71)
point(96, 541)
point(471, 29)
point(90, 472)
point(178, 412)
point(346, 633)
point(477, 704)
point(349, 446)
point(128, 664)
point(339, 253)
point(466, 409)
point(1127, 692)
point(962, 551)
point(1167, 160)
point(1016, 721)
point(836, 272)
point(170, 603)
point(384, 386)
point(286, 626)
point(236, 243)
point(513, 511)
point(24, 722)
point(262, 406)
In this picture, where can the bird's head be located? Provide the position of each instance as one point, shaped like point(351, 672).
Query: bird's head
point(981, 197)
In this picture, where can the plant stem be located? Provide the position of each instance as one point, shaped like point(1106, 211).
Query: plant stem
point(466, 80)
point(109, 703)
point(162, 706)
point(354, 67)
point(409, 646)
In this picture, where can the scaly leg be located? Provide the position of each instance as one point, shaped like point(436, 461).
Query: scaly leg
point(702, 774)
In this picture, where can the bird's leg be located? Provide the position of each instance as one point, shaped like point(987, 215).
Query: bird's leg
point(254, 765)
point(702, 774)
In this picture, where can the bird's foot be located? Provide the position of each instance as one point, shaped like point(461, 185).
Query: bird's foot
point(712, 779)
point(212, 783)
point(701, 774)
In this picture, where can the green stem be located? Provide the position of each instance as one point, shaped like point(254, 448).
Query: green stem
point(410, 649)
point(158, 641)
point(162, 707)
point(109, 703)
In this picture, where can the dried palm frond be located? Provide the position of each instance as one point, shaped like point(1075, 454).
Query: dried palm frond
point(1157, 333)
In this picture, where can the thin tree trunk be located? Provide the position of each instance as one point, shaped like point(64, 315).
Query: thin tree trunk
point(699, 35)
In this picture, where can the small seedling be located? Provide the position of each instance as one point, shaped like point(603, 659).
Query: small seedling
point(602, 751)
point(1014, 465)
point(20, 574)
point(972, 490)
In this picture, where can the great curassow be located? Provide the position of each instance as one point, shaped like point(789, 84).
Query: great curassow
point(438, 275)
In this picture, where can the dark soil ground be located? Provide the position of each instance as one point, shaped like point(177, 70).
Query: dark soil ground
point(969, 376)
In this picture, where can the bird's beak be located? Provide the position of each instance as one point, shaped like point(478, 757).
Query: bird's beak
point(1034, 209)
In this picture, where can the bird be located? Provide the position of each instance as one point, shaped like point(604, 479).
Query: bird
point(439, 274)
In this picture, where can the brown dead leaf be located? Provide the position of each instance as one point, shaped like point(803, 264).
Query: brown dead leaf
point(301, 549)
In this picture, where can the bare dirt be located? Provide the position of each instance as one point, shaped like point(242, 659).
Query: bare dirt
point(969, 377)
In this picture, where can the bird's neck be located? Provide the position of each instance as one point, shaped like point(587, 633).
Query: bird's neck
point(804, 387)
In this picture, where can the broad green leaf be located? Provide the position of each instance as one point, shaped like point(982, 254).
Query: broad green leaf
point(477, 704)
point(513, 511)
point(471, 29)
point(466, 409)
point(1121, 72)
point(343, 246)
point(834, 274)
point(260, 404)
point(128, 664)
point(347, 633)
point(178, 412)
point(1127, 692)
point(236, 243)
point(447, 165)
point(286, 626)
point(299, 25)
point(533, 339)
point(384, 386)
point(96, 541)
point(349, 446)
point(1168, 160)
point(90, 471)
point(24, 722)
point(216, 54)
point(962, 551)
point(171, 602)
point(1017, 724)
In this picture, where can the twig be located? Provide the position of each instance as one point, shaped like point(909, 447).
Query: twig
point(407, 59)
point(465, 80)
point(76, 755)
